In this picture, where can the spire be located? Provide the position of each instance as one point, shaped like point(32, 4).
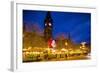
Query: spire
point(48, 26)
point(48, 17)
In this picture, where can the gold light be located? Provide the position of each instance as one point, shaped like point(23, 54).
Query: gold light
point(63, 49)
point(66, 43)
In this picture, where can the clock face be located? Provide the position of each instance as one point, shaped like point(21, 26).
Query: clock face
point(50, 24)
point(45, 24)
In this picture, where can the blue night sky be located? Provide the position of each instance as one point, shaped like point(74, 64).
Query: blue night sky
point(77, 24)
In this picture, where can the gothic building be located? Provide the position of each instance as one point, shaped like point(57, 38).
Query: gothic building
point(48, 26)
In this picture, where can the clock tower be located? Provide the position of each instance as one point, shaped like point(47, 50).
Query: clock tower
point(48, 27)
